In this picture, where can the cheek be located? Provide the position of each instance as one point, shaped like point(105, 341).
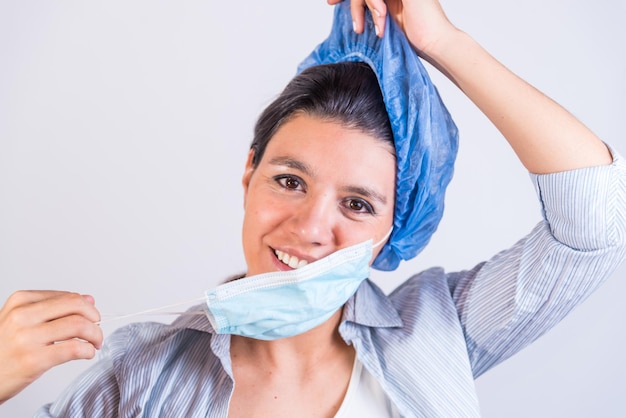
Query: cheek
point(258, 209)
point(261, 214)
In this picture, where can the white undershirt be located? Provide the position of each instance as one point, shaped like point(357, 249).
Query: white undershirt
point(365, 397)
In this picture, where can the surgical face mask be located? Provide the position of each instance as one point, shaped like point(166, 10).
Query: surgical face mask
point(282, 304)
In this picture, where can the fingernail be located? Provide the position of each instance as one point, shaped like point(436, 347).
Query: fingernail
point(376, 29)
point(354, 25)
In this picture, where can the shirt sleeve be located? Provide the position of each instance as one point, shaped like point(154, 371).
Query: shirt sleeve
point(509, 301)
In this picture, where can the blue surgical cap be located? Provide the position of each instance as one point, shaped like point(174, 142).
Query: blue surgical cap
point(426, 138)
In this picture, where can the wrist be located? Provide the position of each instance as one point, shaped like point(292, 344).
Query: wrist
point(446, 46)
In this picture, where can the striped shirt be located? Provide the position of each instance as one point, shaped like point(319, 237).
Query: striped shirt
point(425, 343)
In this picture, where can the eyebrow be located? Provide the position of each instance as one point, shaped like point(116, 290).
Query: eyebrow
point(367, 192)
point(292, 163)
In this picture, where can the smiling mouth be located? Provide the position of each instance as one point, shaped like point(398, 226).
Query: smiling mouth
point(290, 260)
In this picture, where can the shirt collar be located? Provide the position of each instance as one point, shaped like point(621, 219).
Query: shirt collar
point(196, 322)
point(370, 307)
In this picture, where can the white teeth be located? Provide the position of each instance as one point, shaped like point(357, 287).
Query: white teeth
point(291, 260)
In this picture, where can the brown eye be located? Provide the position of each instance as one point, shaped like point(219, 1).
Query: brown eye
point(358, 206)
point(290, 182)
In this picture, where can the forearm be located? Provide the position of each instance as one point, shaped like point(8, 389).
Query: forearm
point(545, 136)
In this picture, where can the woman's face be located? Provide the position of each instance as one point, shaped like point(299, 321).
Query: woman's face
point(319, 187)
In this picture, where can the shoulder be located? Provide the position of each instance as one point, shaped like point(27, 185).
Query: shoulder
point(136, 337)
point(148, 344)
point(141, 337)
point(430, 284)
point(422, 300)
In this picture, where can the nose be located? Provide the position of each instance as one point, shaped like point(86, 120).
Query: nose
point(314, 220)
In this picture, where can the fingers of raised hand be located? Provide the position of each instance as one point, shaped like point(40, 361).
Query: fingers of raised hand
point(377, 8)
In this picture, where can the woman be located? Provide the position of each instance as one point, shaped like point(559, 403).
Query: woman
point(323, 184)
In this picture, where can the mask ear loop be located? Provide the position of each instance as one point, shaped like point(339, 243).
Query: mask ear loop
point(163, 309)
point(156, 311)
point(384, 239)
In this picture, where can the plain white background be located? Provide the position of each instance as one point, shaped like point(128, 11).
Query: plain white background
point(124, 128)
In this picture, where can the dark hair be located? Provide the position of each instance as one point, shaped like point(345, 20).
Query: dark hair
point(346, 92)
